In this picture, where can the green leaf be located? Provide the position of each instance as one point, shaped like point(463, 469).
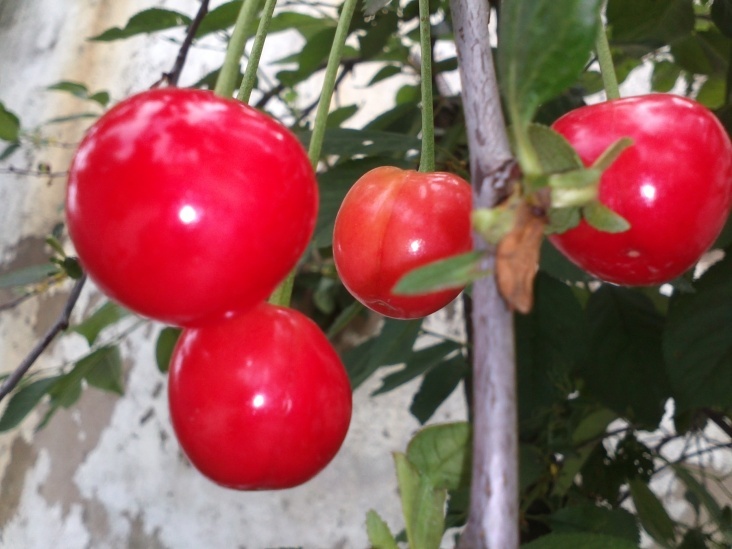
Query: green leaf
point(393, 345)
point(103, 369)
point(418, 363)
point(145, 22)
point(104, 316)
point(649, 24)
point(437, 385)
point(24, 400)
point(603, 218)
point(27, 275)
point(555, 153)
point(164, 346)
point(385, 72)
point(371, 7)
point(722, 16)
point(555, 264)
point(701, 493)
point(306, 25)
point(665, 75)
point(592, 519)
point(422, 504)
point(444, 274)
point(378, 34)
point(624, 367)
point(549, 343)
point(77, 89)
point(9, 125)
point(651, 513)
point(694, 539)
point(702, 53)
point(584, 541)
point(338, 116)
point(101, 97)
point(10, 149)
point(380, 537)
point(712, 93)
point(349, 142)
point(219, 18)
point(443, 453)
point(696, 342)
point(544, 47)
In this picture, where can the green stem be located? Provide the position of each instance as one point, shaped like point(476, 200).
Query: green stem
point(427, 161)
point(230, 70)
point(604, 56)
point(281, 296)
point(331, 72)
point(250, 74)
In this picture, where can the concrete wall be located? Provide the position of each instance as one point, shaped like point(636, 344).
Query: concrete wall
point(108, 472)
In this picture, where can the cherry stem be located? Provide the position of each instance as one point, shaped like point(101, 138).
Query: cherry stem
point(226, 82)
point(283, 293)
point(427, 160)
point(329, 81)
point(250, 74)
point(607, 69)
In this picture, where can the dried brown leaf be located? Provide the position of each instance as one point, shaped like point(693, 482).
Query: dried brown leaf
point(517, 259)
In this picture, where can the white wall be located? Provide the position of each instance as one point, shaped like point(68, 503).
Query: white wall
point(108, 472)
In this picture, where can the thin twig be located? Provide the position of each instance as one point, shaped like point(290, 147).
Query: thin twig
point(493, 521)
point(61, 323)
point(34, 173)
point(173, 76)
point(13, 303)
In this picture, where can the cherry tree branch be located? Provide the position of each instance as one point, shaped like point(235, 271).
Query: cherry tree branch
point(61, 323)
point(493, 519)
point(173, 76)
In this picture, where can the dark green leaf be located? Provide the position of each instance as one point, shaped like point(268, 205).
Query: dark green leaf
point(701, 493)
point(722, 16)
point(544, 47)
point(422, 505)
point(417, 364)
point(309, 59)
point(393, 345)
point(378, 33)
point(385, 72)
point(145, 22)
point(27, 275)
point(713, 92)
point(10, 149)
point(442, 453)
point(665, 75)
point(584, 541)
point(104, 316)
point(219, 18)
point(651, 513)
point(306, 25)
point(702, 53)
point(697, 343)
point(552, 262)
point(532, 465)
point(444, 274)
point(103, 369)
point(694, 539)
point(337, 117)
point(349, 142)
point(600, 520)
point(625, 367)
point(549, 343)
point(24, 400)
point(380, 537)
point(649, 24)
point(77, 89)
point(9, 125)
point(101, 97)
point(437, 385)
point(371, 7)
point(164, 346)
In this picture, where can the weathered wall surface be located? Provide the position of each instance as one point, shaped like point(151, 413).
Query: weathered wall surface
point(108, 472)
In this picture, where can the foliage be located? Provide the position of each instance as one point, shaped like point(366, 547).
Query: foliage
point(599, 366)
